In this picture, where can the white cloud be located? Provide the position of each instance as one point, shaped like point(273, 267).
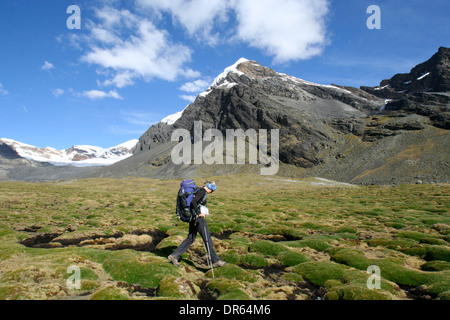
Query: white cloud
point(113, 18)
point(196, 16)
point(58, 92)
point(196, 86)
point(285, 29)
point(134, 49)
point(121, 79)
point(130, 46)
point(104, 36)
point(3, 91)
point(190, 98)
point(97, 94)
point(189, 73)
point(47, 66)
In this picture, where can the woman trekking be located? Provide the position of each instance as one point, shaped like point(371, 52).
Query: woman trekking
point(199, 225)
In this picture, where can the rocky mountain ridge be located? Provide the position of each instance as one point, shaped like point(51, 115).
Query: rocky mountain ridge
point(430, 76)
point(387, 134)
point(250, 96)
point(393, 133)
point(425, 90)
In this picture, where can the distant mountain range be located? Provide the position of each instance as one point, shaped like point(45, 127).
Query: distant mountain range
point(78, 156)
point(396, 132)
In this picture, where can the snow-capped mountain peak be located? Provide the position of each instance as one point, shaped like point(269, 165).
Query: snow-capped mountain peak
point(173, 117)
point(78, 155)
point(220, 80)
point(232, 68)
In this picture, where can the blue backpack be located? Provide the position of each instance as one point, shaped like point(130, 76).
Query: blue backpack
point(187, 191)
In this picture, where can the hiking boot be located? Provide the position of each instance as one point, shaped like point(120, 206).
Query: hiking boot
point(174, 261)
point(219, 263)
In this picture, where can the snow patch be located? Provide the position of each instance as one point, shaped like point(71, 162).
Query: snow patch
point(424, 76)
point(315, 181)
point(173, 117)
point(381, 88)
point(130, 145)
point(286, 77)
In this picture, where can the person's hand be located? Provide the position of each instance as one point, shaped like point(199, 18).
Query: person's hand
point(202, 215)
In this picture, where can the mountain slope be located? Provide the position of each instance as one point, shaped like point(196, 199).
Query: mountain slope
point(425, 90)
point(250, 96)
point(7, 152)
point(341, 133)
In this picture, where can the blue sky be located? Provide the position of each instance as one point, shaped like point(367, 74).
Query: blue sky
point(135, 62)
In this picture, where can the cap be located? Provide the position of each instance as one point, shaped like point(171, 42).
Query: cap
point(211, 186)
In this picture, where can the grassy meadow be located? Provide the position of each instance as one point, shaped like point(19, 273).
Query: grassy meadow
point(282, 238)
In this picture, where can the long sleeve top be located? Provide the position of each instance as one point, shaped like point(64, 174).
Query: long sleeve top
point(199, 199)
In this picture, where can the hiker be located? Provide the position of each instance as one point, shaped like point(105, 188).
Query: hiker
point(198, 224)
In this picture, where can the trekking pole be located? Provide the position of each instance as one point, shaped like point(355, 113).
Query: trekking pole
point(209, 261)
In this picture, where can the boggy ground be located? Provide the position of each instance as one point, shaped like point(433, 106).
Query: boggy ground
point(282, 238)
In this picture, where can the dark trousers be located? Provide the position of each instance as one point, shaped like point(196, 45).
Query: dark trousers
point(200, 226)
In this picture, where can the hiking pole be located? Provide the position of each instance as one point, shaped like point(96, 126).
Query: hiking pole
point(208, 261)
point(208, 254)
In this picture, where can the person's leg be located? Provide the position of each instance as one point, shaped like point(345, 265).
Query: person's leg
point(204, 232)
point(187, 242)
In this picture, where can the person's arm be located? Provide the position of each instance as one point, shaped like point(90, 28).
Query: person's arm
point(198, 197)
